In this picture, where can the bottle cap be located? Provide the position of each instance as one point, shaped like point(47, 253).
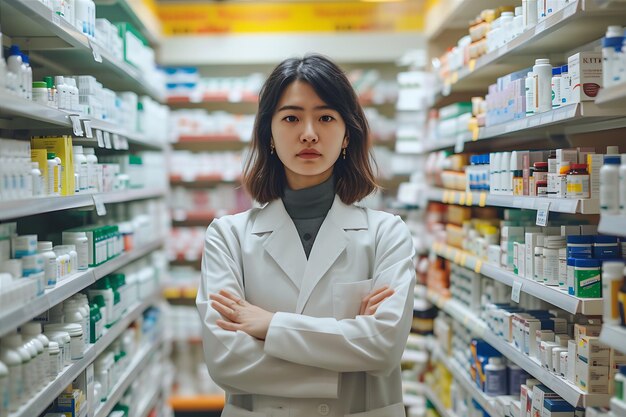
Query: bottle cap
point(612, 160)
point(556, 71)
point(44, 246)
point(542, 61)
point(39, 84)
point(564, 69)
point(49, 81)
point(15, 50)
point(51, 155)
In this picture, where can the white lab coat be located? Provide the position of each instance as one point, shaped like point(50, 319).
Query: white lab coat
point(319, 357)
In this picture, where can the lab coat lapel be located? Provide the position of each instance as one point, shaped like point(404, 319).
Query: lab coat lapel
point(283, 245)
point(330, 242)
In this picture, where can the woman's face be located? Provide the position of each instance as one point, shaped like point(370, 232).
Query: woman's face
point(308, 136)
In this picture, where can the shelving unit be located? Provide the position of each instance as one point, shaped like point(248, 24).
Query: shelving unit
point(482, 199)
point(9, 321)
point(135, 12)
point(614, 336)
point(577, 24)
point(38, 403)
point(612, 224)
point(569, 392)
point(32, 206)
point(149, 403)
point(138, 364)
point(197, 403)
point(38, 29)
point(550, 294)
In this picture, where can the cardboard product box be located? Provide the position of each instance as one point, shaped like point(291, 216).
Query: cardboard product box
point(581, 330)
point(62, 147)
point(593, 351)
point(585, 70)
point(592, 379)
point(594, 164)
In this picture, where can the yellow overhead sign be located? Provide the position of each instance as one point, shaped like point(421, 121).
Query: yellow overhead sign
point(194, 18)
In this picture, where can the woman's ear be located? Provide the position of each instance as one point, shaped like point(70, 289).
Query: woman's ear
point(346, 141)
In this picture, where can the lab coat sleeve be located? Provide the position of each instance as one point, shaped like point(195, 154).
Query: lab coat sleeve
point(366, 343)
point(237, 361)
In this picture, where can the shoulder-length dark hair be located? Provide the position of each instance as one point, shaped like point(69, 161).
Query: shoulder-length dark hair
point(264, 173)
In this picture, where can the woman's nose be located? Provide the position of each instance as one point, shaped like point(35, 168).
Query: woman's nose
point(308, 134)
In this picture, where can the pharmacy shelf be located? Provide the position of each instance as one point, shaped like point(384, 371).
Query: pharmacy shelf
point(482, 199)
point(68, 287)
point(15, 106)
point(550, 294)
point(139, 362)
point(454, 15)
point(32, 206)
point(462, 375)
point(202, 181)
point(612, 224)
point(569, 392)
point(414, 356)
point(614, 336)
point(185, 218)
point(38, 403)
point(136, 12)
point(178, 293)
point(37, 29)
point(183, 100)
point(612, 97)
point(213, 402)
point(434, 399)
point(577, 24)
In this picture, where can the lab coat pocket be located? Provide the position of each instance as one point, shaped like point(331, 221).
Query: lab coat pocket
point(347, 298)
point(394, 410)
point(234, 411)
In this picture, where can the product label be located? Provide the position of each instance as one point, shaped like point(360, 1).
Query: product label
point(577, 186)
point(587, 283)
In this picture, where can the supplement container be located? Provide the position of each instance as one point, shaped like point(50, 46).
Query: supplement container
point(577, 181)
point(11, 358)
point(40, 92)
point(25, 245)
point(612, 278)
point(33, 330)
point(606, 247)
point(75, 332)
point(495, 377)
point(587, 280)
point(56, 360)
point(50, 263)
point(81, 243)
point(609, 185)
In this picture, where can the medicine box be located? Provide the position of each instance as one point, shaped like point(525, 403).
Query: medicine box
point(585, 70)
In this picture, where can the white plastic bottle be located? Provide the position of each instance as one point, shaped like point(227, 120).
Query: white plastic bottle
point(529, 86)
point(4, 390)
point(28, 77)
point(12, 360)
point(556, 87)
point(53, 175)
point(529, 9)
point(543, 90)
point(495, 180)
point(73, 94)
point(81, 243)
point(611, 49)
point(14, 341)
point(622, 185)
point(609, 185)
point(36, 180)
point(51, 271)
point(63, 98)
point(92, 164)
point(81, 170)
point(495, 377)
point(566, 87)
point(506, 187)
point(14, 65)
point(59, 174)
point(33, 330)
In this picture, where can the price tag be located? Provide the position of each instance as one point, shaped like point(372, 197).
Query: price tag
point(479, 266)
point(469, 200)
point(107, 140)
point(482, 199)
point(87, 128)
point(462, 199)
point(460, 144)
point(517, 289)
point(116, 141)
point(96, 53)
point(100, 138)
point(101, 210)
point(76, 127)
point(542, 213)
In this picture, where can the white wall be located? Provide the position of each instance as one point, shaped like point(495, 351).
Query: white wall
point(273, 48)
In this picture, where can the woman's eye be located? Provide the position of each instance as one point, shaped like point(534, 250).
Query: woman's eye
point(327, 118)
point(291, 119)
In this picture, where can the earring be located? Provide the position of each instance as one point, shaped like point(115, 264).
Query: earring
point(271, 149)
point(344, 153)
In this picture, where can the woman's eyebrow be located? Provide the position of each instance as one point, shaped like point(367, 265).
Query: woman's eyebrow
point(298, 108)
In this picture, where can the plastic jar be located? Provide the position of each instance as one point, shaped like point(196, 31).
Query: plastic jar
point(75, 332)
point(63, 340)
point(580, 246)
point(33, 330)
point(541, 188)
point(14, 341)
point(103, 287)
point(606, 247)
point(13, 361)
point(72, 255)
point(81, 244)
point(495, 377)
point(56, 360)
point(609, 184)
point(40, 92)
point(577, 181)
point(612, 278)
point(587, 278)
point(50, 263)
point(24, 245)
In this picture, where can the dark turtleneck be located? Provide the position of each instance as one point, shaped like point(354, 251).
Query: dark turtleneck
point(308, 208)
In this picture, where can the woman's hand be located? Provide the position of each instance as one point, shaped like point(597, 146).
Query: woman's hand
point(373, 300)
point(241, 315)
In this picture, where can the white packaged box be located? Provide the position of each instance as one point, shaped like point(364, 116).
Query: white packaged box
point(585, 70)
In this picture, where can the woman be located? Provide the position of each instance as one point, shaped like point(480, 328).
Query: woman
point(306, 303)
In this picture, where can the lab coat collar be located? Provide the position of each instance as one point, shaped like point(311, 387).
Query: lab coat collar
point(285, 248)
